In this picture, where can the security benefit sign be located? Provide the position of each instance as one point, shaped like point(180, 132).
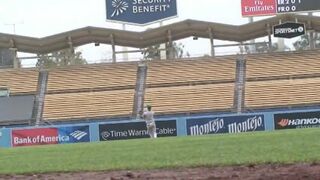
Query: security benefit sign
point(140, 12)
point(297, 120)
point(230, 124)
point(135, 130)
point(289, 30)
point(43, 136)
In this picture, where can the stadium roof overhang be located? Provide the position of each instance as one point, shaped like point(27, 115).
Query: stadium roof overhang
point(149, 37)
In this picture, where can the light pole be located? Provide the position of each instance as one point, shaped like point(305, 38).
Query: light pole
point(13, 26)
point(14, 49)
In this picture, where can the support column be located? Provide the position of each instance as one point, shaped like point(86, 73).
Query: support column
point(13, 49)
point(211, 42)
point(16, 63)
point(125, 55)
point(281, 43)
point(311, 34)
point(139, 90)
point(163, 53)
point(241, 48)
point(252, 47)
point(40, 97)
point(269, 37)
point(170, 45)
point(312, 44)
point(114, 57)
point(239, 88)
point(71, 50)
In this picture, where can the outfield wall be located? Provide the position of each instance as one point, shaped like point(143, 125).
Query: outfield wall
point(181, 126)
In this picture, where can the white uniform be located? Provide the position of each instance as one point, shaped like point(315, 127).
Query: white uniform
point(151, 125)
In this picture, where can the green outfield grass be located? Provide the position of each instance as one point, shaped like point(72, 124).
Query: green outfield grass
point(248, 148)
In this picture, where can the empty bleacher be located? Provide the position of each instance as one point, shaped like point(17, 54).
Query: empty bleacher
point(283, 65)
point(173, 86)
point(188, 99)
point(282, 79)
point(281, 93)
point(90, 91)
point(185, 72)
point(88, 105)
point(19, 81)
point(92, 78)
point(97, 91)
point(187, 86)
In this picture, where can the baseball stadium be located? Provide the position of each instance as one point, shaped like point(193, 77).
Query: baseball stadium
point(254, 114)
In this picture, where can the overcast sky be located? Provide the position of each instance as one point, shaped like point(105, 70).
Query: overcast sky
point(39, 18)
point(45, 17)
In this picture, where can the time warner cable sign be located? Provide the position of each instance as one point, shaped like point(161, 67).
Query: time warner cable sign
point(134, 130)
point(228, 124)
point(140, 12)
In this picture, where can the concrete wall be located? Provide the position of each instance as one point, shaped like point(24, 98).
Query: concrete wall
point(16, 108)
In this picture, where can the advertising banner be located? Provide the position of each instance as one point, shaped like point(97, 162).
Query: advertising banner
point(5, 137)
point(75, 134)
point(273, 7)
point(258, 7)
point(289, 30)
point(43, 136)
point(228, 124)
point(297, 120)
point(134, 130)
point(140, 12)
point(286, 6)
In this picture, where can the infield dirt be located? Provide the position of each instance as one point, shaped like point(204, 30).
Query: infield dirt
point(250, 172)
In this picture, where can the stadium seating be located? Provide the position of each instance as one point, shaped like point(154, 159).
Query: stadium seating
point(186, 86)
point(280, 93)
point(108, 90)
point(90, 91)
point(282, 79)
point(173, 86)
point(283, 65)
point(184, 72)
point(88, 105)
point(185, 99)
point(19, 81)
point(92, 77)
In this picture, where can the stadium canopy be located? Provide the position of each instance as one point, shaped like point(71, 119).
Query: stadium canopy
point(168, 33)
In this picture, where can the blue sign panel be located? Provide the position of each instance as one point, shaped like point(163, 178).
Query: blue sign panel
point(140, 11)
point(5, 137)
point(74, 134)
point(228, 124)
point(133, 130)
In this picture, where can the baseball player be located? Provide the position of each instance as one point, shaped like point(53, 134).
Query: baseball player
point(151, 125)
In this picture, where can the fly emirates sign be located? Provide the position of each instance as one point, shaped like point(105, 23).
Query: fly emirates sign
point(258, 7)
point(273, 7)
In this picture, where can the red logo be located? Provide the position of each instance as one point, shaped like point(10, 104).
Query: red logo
point(283, 122)
point(29, 137)
point(258, 7)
